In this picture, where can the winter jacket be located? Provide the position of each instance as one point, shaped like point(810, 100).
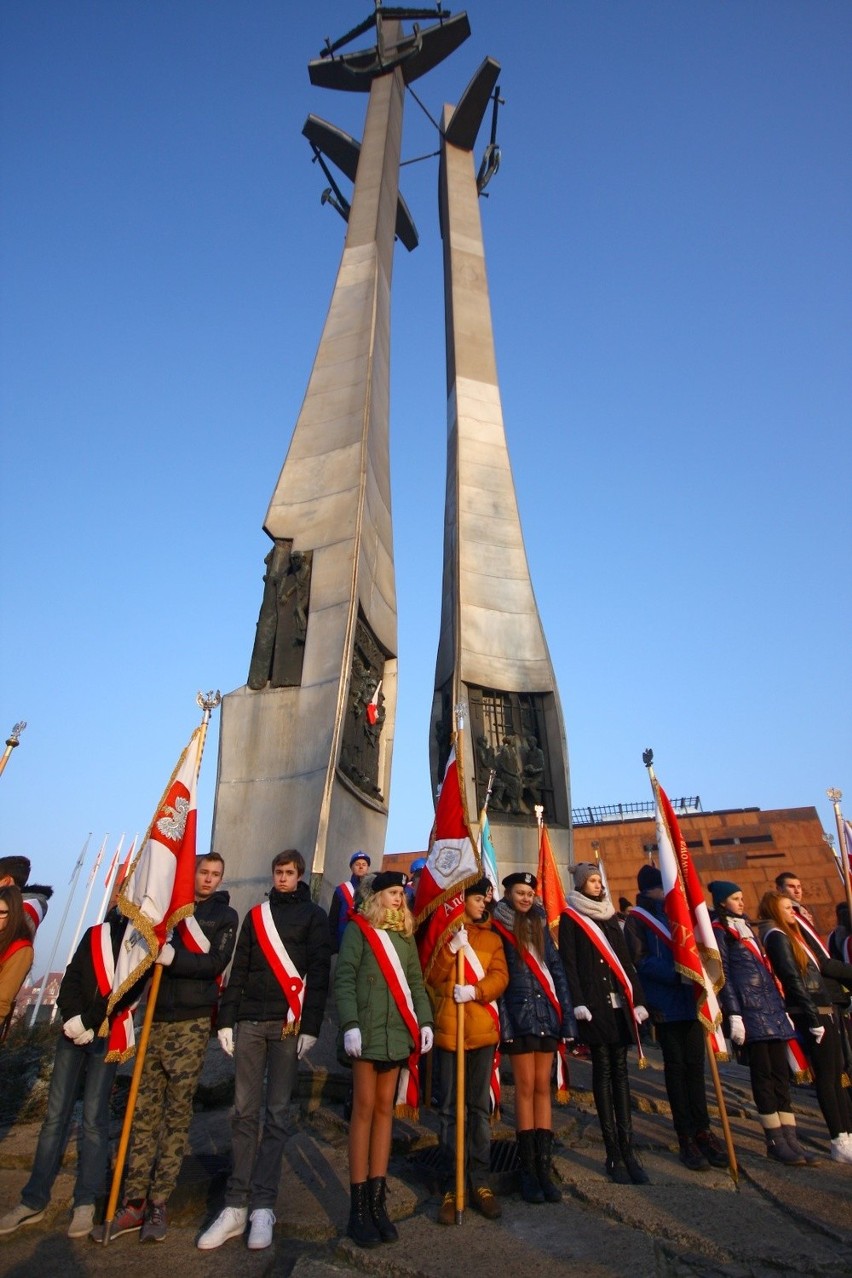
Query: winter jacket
point(13, 971)
point(79, 994)
point(749, 990)
point(591, 982)
point(365, 1001)
point(188, 988)
point(667, 996)
point(339, 913)
point(803, 995)
point(836, 975)
point(525, 1008)
point(253, 992)
point(479, 1027)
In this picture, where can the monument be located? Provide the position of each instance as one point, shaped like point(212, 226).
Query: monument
point(305, 746)
point(492, 653)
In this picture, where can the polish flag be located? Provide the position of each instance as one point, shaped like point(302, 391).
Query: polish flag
point(372, 708)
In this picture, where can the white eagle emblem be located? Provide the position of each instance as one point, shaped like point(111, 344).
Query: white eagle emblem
point(173, 823)
point(447, 860)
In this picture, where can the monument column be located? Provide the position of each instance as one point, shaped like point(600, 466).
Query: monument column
point(492, 652)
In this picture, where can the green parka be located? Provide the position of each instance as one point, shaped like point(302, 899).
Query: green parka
point(364, 999)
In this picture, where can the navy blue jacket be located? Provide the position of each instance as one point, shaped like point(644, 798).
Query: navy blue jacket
point(750, 990)
point(525, 1008)
point(667, 996)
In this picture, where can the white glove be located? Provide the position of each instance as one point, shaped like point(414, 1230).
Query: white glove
point(226, 1041)
point(582, 1013)
point(818, 1032)
point(640, 1014)
point(304, 1043)
point(73, 1027)
point(86, 1037)
point(464, 993)
point(737, 1028)
point(427, 1038)
point(352, 1042)
point(166, 955)
point(457, 940)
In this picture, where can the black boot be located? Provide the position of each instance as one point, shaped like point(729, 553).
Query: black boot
point(602, 1089)
point(624, 1117)
point(792, 1138)
point(544, 1165)
point(361, 1228)
point(531, 1190)
point(376, 1190)
point(778, 1149)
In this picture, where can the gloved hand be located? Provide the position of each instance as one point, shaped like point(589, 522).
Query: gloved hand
point(818, 1032)
point(582, 1013)
point(427, 1038)
point(737, 1028)
point(86, 1037)
point(73, 1028)
point(226, 1041)
point(166, 955)
point(304, 1043)
point(457, 940)
point(640, 1014)
point(464, 993)
point(352, 1042)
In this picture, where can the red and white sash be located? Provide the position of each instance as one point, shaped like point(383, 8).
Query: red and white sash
point(190, 933)
point(382, 947)
point(35, 908)
point(474, 972)
point(540, 970)
point(348, 892)
point(594, 934)
point(283, 968)
point(812, 942)
point(657, 926)
point(122, 1032)
point(796, 1059)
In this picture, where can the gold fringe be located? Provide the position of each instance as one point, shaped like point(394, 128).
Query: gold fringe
point(120, 1057)
point(407, 1111)
point(805, 1076)
point(643, 1062)
point(563, 1096)
point(845, 1080)
point(723, 1057)
point(495, 1116)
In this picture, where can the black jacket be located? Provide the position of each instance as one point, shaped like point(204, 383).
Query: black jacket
point(524, 1007)
point(188, 988)
point(591, 981)
point(253, 993)
point(78, 994)
point(802, 994)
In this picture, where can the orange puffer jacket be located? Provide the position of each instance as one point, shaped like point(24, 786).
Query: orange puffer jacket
point(479, 1027)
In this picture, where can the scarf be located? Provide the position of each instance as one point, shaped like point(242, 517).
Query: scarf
point(600, 910)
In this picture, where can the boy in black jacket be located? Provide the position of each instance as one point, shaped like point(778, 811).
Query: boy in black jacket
point(193, 960)
point(276, 996)
point(80, 1057)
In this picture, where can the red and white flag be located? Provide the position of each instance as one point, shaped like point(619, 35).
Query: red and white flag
point(550, 887)
point(372, 708)
point(452, 864)
point(694, 947)
point(159, 891)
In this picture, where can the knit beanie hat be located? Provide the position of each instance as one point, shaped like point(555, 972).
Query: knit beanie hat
point(648, 878)
point(582, 871)
point(721, 889)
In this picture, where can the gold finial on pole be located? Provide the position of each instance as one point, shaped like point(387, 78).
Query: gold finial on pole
point(834, 796)
point(13, 739)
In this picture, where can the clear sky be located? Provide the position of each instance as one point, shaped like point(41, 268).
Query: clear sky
point(668, 245)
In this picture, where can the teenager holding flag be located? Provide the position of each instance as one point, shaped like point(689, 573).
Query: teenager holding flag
point(535, 1013)
point(485, 979)
point(385, 1025)
point(609, 1007)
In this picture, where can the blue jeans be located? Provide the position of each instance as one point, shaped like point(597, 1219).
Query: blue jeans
point(70, 1066)
point(260, 1050)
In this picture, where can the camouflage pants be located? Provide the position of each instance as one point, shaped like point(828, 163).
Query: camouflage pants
point(164, 1108)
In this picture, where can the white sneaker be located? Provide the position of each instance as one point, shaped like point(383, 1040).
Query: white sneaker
point(230, 1223)
point(20, 1215)
point(260, 1234)
point(841, 1148)
point(82, 1220)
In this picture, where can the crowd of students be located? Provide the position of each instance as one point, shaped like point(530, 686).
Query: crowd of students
point(523, 996)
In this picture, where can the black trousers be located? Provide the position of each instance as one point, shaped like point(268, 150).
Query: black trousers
point(826, 1061)
point(682, 1043)
point(770, 1076)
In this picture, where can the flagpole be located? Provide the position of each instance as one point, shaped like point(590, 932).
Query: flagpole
point(460, 1060)
point(110, 879)
point(208, 703)
point(835, 796)
point(13, 740)
point(75, 874)
point(79, 928)
point(648, 760)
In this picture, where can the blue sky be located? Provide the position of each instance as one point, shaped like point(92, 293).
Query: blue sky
point(669, 260)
